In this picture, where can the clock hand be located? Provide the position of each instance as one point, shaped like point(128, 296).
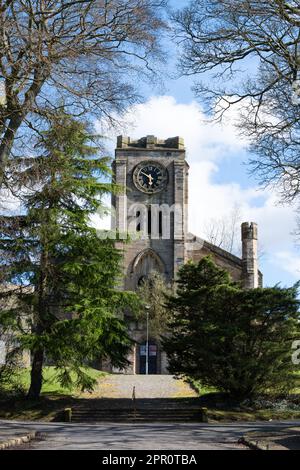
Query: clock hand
point(149, 177)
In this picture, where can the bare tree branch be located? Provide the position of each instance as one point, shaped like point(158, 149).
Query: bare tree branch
point(88, 54)
point(252, 48)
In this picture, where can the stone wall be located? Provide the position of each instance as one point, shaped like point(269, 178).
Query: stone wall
point(145, 253)
point(171, 154)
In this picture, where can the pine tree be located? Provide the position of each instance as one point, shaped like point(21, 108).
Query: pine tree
point(69, 275)
point(238, 341)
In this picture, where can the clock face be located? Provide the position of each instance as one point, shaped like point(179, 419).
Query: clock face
point(150, 177)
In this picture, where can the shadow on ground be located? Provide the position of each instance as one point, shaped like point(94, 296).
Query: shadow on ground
point(51, 407)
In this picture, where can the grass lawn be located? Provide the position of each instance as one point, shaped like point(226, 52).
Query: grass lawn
point(251, 415)
point(51, 385)
point(54, 397)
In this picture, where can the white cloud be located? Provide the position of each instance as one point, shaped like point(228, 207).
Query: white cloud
point(9, 204)
point(291, 262)
point(163, 117)
point(102, 220)
point(208, 145)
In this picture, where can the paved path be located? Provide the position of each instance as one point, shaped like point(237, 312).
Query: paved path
point(282, 439)
point(158, 436)
point(146, 386)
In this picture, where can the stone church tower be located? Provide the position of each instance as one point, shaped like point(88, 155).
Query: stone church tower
point(142, 206)
point(152, 207)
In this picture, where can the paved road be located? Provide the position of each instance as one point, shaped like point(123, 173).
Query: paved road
point(57, 436)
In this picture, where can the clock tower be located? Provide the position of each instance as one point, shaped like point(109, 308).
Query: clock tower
point(151, 206)
point(151, 209)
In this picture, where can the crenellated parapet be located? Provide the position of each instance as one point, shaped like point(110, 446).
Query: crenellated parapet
point(150, 142)
point(249, 231)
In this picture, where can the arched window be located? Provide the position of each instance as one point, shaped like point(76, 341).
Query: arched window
point(147, 262)
point(160, 223)
point(138, 225)
point(150, 220)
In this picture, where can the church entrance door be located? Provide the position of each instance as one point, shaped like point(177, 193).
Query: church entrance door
point(152, 363)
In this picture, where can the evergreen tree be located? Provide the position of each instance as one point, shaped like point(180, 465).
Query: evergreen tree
point(239, 341)
point(69, 275)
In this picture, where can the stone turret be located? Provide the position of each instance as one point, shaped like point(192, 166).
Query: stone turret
point(249, 256)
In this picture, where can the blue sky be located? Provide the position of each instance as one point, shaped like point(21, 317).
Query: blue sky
point(219, 175)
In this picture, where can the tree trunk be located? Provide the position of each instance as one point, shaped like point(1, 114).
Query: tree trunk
point(36, 375)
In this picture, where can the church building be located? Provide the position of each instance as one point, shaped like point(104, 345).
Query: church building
point(152, 208)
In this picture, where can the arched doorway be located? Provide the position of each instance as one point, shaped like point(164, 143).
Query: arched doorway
point(152, 358)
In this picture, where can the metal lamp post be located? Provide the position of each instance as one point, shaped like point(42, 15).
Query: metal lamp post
point(147, 339)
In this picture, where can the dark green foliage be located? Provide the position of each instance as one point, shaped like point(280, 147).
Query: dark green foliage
point(71, 293)
point(239, 341)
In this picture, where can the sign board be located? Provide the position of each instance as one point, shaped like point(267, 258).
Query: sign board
point(152, 350)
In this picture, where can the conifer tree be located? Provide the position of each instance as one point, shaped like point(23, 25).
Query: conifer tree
point(238, 341)
point(65, 276)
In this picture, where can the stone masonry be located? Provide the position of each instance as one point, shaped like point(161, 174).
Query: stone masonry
point(148, 253)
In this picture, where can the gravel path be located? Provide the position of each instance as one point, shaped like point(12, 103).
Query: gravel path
point(146, 386)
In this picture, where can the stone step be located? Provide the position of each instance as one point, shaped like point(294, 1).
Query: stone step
point(128, 415)
point(124, 419)
point(142, 411)
point(91, 415)
point(139, 420)
point(152, 413)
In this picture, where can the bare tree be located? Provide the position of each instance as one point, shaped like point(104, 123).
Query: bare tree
point(224, 232)
point(153, 291)
point(249, 51)
point(84, 55)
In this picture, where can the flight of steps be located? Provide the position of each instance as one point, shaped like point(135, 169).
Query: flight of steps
point(141, 410)
point(87, 415)
point(137, 399)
